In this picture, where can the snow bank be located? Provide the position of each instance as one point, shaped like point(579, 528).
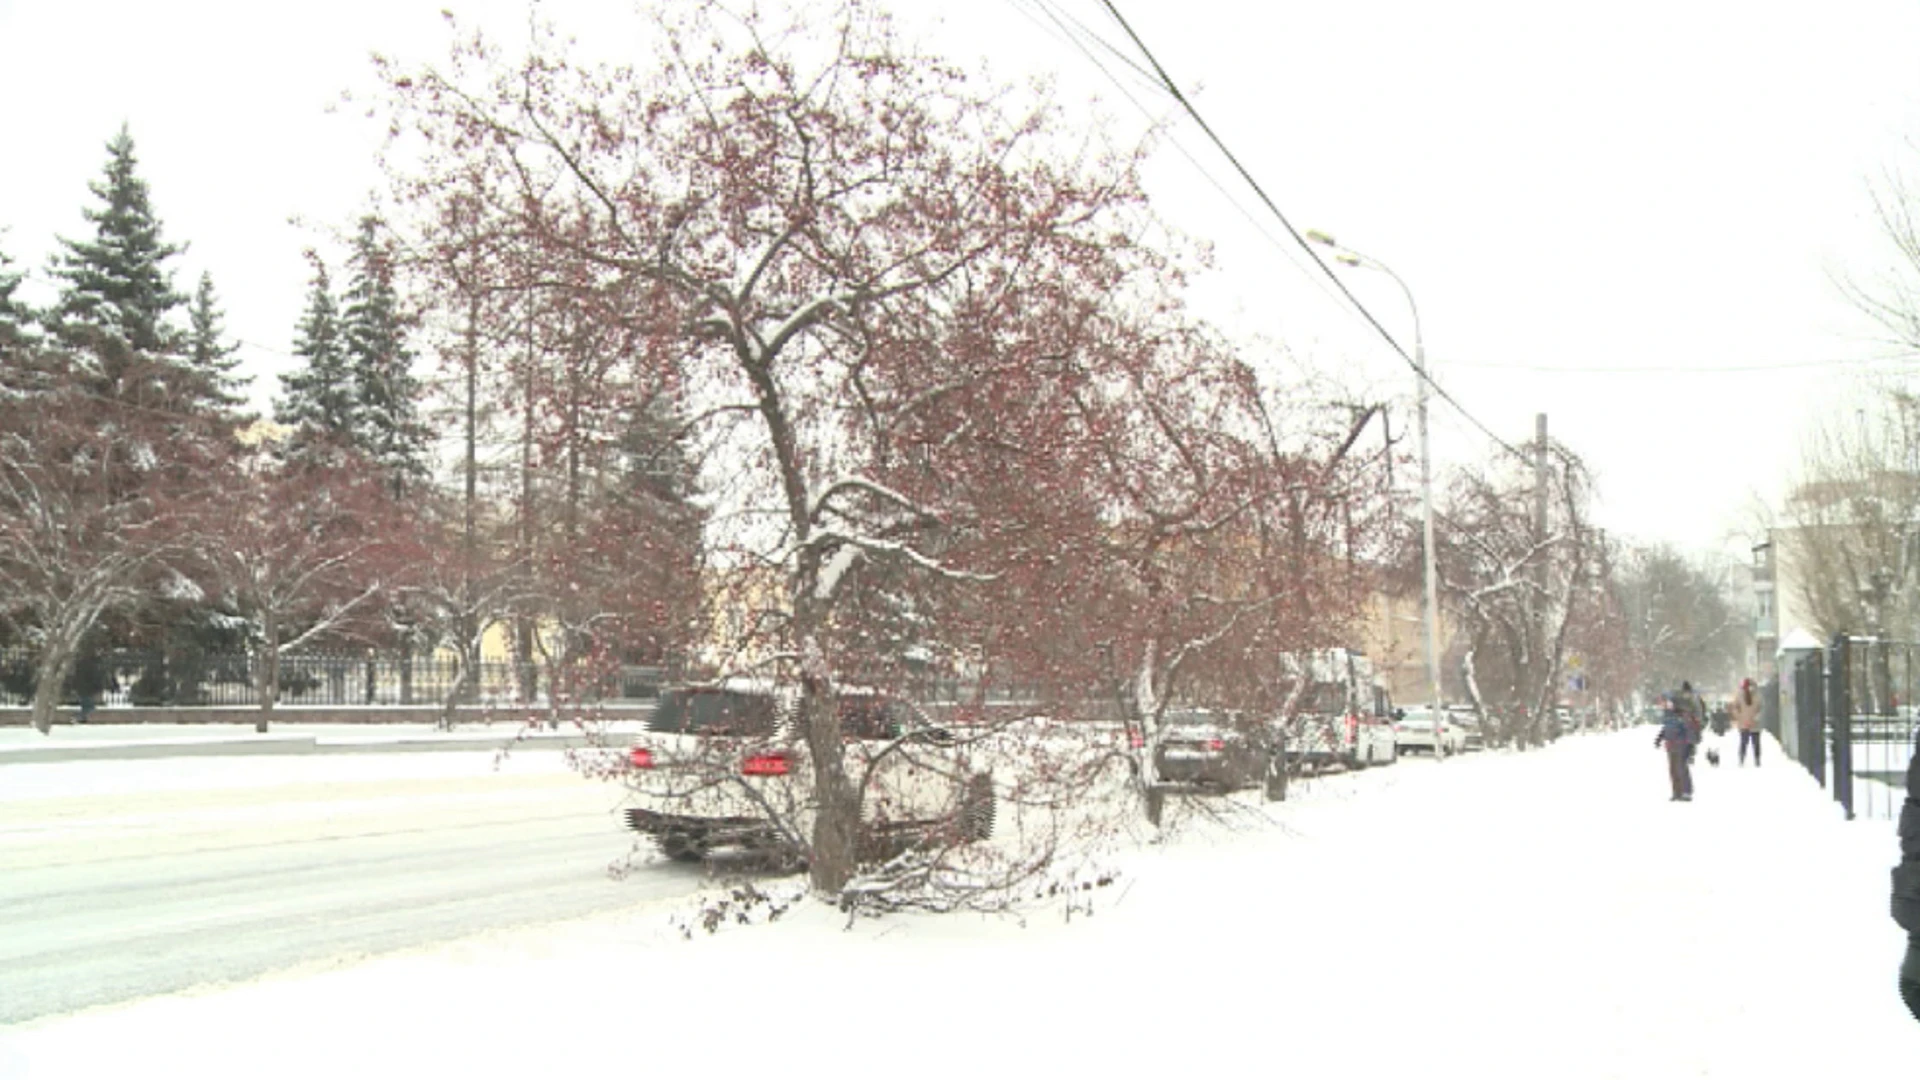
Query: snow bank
point(1539, 915)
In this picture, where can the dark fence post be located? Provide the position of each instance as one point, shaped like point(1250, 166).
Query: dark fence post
point(1809, 709)
point(1840, 716)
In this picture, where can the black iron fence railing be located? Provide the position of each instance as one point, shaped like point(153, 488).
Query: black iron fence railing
point(1855, 712)
point(143, 678)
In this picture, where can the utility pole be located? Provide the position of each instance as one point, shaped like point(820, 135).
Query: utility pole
point(1432, 584)
point(1392, 617)
point(1349, 257)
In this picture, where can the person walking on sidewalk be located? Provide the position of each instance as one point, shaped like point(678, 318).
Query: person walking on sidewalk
point(1678, 743)
point(1745, 712)
point(1693, 713)
point(1906, 888)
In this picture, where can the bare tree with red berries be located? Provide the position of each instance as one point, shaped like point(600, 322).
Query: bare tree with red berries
point(302, 551)
point(894, 305)
point(100, 500)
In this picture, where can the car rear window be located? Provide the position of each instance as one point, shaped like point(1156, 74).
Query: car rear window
point(867, 717)
point(713, 712)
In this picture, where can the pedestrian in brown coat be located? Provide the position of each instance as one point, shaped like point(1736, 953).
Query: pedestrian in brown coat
point(1745, 712)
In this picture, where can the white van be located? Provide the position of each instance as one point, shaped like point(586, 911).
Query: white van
point(1341, 715)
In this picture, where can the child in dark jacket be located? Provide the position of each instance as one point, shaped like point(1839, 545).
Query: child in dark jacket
point(1676, 737)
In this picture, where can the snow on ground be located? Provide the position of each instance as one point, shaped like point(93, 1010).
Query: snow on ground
point(115, 779)
point(1540, 915)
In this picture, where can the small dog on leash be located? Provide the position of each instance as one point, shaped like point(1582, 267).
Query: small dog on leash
point(1713, 757)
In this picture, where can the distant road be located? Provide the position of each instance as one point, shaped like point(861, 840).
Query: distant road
point(128, 879)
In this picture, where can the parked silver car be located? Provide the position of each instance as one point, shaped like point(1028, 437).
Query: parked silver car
point(1463, 717)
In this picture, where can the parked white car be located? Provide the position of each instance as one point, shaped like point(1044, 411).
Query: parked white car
point(1414, 730)
point(1378, 743)
point(724, 767)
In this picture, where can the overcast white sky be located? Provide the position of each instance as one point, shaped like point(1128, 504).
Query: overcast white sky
point(1626, 215)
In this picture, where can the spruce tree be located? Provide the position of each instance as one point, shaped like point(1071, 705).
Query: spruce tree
point(19, 352)
point(212, 359)
point(16, 320)
point(317, 399)
point(118, 292)
point(386, 393)
point(654, 461)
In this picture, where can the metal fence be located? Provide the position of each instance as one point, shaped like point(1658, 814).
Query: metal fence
point(152, 678)
point(1852, 719)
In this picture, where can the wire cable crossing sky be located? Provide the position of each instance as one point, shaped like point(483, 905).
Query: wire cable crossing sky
point(1611, 215)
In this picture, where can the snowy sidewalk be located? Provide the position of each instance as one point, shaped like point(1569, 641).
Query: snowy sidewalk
point(1540, 915)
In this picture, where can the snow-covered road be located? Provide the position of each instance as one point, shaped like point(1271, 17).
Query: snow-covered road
point(124, 880)
point(1548, 914)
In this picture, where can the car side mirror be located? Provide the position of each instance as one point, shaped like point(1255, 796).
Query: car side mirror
point(1399, 715)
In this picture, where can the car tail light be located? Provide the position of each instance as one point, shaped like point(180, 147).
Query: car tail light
point(1216, 744)
point(766, 765)
point(1135, 740)
point(640, 758)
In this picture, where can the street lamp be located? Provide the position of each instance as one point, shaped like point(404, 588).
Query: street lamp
point(1350, 257)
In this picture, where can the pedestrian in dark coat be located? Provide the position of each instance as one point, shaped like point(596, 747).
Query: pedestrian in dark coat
point(1694, 712)
point(1678, 743)
point(1906, 888)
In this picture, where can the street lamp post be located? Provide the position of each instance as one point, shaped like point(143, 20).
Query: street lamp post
point(1431, 599)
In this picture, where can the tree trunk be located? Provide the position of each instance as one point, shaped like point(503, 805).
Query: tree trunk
point(467, 679)
point(524, 688)
point(406, 669)
point(53, 666)
point(522, 620)
point(466, 675)
point(836, 829)
point(461, 674)
point(469, 537)
point(269, 678)
point(1141, 705)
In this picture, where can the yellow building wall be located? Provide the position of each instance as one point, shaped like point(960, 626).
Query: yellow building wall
point(1391, 635)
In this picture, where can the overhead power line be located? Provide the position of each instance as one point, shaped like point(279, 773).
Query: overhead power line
point(1166, 82)
point(1077, 36)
